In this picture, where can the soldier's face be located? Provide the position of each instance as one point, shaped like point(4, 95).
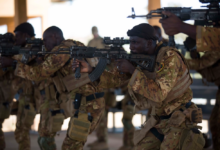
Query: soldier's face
point(49, 40)
point(141, 46)
point(20, 38)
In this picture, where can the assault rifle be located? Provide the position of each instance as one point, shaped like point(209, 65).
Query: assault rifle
point(208, 15)
point(33, 46)
point(115, 51)
point(7, 40)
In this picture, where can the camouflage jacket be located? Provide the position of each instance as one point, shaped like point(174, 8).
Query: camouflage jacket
point(7, 92)
point(52, 64)
point(208, 66)
point(152, 92)
point(207, 39)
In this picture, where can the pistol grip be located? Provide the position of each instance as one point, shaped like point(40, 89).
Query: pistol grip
point(171, 42)
point(77, 73)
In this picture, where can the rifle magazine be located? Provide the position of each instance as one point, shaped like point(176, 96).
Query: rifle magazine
point(97, 72)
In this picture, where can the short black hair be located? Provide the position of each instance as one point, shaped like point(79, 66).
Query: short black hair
point(157, 29)
point(25, 28)
point(54, 29)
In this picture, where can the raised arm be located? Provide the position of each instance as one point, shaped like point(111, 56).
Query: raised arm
point(207, 60)
point(51, 64)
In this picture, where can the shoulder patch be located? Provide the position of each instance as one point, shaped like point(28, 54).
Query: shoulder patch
point(170, 53)
point(160, 67)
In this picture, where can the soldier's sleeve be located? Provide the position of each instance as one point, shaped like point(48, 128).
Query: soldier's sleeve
point(157, 90)
point(36, 73)
point(207, 60)
point(17, 57)
point(111, 80)
point(207, 39)
point(16, 84)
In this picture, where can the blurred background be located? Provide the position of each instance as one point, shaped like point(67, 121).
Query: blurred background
point(77, 17)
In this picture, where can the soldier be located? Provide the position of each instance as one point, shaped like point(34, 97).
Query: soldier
point(6, 91)
point(207, 38)
point(208, 66)
point(88, 104)
point(128, 113)
point(172, 124)
point(26, 109)
point(97, 41)
point(110, 101)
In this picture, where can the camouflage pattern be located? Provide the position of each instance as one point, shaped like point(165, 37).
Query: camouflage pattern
point(214, 122)
point(208, 66)
point(150, 93)
point(22, 129)
point(171, 132)
point(149, 142)
point(96, 108)
point(110, 98)
point(51, 64)
point(128, 113)
point(47, 138)
point(102, 129)
point(22, 132)
point(6, 95)
point(110, 101)
point(170, 142)
point(207, 39)
point(207, 60)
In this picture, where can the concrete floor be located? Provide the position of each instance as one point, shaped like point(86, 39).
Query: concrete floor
point(115, 141)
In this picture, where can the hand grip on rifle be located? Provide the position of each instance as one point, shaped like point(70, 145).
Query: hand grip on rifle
point(77, 72)
point(171, 41)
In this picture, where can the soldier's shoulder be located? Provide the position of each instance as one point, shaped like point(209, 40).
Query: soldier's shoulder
point(71, 42)
point(67, 44)
point(166, 52)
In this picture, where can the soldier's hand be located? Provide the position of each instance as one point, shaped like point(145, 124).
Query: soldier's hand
point(194, 55)
point(125, 66)
point(194, 114)
point(6, 62)
point(172, 24)
point(84, 66)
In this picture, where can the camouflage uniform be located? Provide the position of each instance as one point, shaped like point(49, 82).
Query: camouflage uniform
point(209, 67)
point(59, 66)
point(6, 96)
point(207, 39)
point(128, 132)
point(44, 94)
point(156, 90)
point(45, 97)
point(26, 114)
point(102, 129)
